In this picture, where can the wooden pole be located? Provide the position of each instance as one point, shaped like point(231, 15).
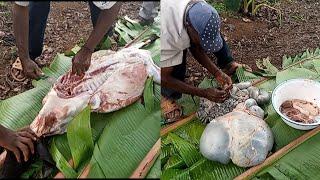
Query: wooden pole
point(136, 38)
point(277, 155)
point(147, 162)
point(85, 172)
point(176, 125)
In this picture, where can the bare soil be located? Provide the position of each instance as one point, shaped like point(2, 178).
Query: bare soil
point(68, 23)
point(263, 36)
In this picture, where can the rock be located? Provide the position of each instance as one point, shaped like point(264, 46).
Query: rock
point(263, 97)
point(253, 92)
point(250, 102)
point(243, 85)
point(257, 111)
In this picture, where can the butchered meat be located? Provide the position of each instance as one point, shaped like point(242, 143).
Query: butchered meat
point(114, 80)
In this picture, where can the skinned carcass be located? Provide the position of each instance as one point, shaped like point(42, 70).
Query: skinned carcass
point(114, 80)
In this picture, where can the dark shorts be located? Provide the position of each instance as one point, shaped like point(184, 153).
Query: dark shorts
point(38, 15)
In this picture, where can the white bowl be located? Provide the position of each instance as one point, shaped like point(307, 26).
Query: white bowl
point(304, 89)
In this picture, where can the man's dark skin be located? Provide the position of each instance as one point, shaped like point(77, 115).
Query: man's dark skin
point(18, 141)
point(213, 94)
point(81, 61)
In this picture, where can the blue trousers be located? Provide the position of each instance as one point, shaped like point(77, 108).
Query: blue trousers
point(38, 15)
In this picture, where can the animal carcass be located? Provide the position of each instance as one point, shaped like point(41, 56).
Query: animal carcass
point(114, 80)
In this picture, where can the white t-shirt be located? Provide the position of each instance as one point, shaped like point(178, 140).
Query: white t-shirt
point(174, 37)
point(100, 4)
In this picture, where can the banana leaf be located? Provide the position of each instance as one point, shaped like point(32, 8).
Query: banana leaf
point(155, 171)
point(128, 136)
point(80, 137)
point(303, 162)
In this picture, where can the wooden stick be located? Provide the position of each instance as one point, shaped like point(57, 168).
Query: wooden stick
point(85, 172)
point(176, 125)
point(143, 167)
point(147, 162)
point(136, 38)
point(277, 155)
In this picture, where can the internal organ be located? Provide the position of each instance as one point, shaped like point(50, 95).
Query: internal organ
point(114, 80)
point(300, 110)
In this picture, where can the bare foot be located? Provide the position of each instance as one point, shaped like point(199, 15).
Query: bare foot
point(170, 109)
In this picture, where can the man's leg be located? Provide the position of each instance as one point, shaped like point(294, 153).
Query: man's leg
point(224, 56)
point(95, 11)
point(149, 10)
point(179, 72)
point(38, 15)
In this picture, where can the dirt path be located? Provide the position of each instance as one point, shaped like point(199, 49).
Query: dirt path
point(263, 37)
point(68, 24)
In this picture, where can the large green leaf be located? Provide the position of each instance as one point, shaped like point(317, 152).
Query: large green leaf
point(188, 152)
point(303, 162)
point(192, 131)
point(80, 137)
point(61, 162)
point(155, 171)
point(175, 174)
point(294, 72)
point(148, 95)
point(267, 68)
point(206, 169)
point(175, 161)
point(126, 139)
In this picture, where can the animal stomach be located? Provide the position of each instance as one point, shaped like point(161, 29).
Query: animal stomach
point(238, 136)
point(113, 81)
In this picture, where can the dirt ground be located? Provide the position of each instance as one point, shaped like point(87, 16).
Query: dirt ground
point(68, 24)
point(263, 37)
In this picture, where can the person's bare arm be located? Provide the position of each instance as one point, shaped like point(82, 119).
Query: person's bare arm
point(169, 81)
point(206, 62)
point(21, 33)
point(82, 59)
point(20, 141)
point(198, 53)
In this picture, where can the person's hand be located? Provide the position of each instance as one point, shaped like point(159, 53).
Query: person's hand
point(81, 61)
point(224, 80)
point(31, 69)
point(215, 94)
point(20, 141)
